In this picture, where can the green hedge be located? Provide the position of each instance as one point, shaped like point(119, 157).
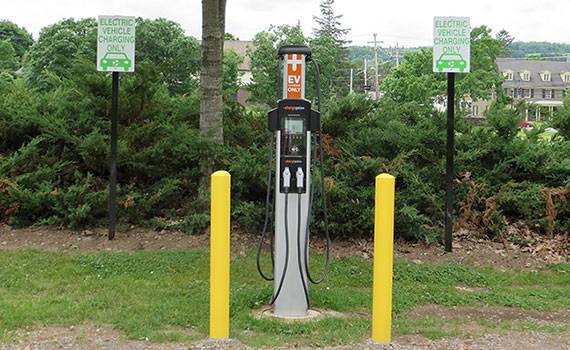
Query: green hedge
point(54, 147)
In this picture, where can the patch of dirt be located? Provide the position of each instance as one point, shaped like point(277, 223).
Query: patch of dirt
point(508, 341)
point(466, 249)
point(91, 337)
point(55, 239)
point(84, 337)
point(490, 313)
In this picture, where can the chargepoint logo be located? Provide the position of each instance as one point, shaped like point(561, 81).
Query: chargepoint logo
point(295, 76)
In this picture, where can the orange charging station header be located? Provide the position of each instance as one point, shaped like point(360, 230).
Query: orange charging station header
point(294, 76)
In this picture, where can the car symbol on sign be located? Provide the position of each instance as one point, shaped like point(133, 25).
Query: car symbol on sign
point(451, 61)
point(115, 60)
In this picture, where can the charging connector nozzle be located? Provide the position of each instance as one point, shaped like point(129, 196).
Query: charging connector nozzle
point(286, 178)
point(299, 175)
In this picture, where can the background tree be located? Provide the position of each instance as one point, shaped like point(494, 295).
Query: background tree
point(505, 38)
point(414, 80)
point(562, 118)
point(163, 44)
point(329, 47)
point(20, 38)
point(231, 74)
point(56, 49)
point(8, 57)
point(329, 23)
point(211, 78)
point(264, 63)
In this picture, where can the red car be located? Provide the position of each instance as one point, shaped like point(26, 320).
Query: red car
point(525, 125)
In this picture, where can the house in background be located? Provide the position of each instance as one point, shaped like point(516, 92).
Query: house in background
point(542, 84)
point(240, 47)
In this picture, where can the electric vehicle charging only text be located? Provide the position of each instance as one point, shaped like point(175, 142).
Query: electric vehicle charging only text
point(297, 138)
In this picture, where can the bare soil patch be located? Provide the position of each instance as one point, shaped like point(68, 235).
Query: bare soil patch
point(490, 313)
point(83, 337)
point(91, 337)
point(467, 249)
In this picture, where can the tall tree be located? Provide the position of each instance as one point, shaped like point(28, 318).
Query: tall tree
point(212, 75)
point(329, 23)
point(8, 57)
point(58, 46)
point(413, 80)
point(20, 38)
point(264, 63)
point(506, 39)
point(329, 48)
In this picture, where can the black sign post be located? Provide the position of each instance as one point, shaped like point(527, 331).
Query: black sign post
point(113, 172)
point(450, 170)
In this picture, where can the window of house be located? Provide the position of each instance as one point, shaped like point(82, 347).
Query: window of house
point(525, 75)
point(546, 93)
point(531, 93)
point(545, 75)
point(565, 77)
point(508, 75)
point(526, 93)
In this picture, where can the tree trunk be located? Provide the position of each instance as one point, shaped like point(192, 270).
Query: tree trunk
point(211, 77)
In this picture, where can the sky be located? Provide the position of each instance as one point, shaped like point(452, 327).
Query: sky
point(403, 22)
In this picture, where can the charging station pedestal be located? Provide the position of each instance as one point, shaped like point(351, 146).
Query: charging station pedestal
point(292, 123)
point(295, 128)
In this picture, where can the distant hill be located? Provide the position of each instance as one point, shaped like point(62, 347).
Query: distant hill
point(517, 49)
point(520, 49)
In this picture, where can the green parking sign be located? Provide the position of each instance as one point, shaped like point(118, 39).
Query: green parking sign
point(451, 45)
point(116, 44)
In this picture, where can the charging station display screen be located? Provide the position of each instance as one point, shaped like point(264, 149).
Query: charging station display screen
point(294, 125)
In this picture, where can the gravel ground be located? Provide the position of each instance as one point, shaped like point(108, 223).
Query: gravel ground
point(89, 337)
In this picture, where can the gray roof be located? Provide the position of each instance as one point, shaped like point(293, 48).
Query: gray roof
point(534, 67)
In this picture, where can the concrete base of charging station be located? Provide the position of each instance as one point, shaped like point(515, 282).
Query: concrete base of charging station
point(266, 312)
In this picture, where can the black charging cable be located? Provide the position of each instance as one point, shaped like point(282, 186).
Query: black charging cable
point(278, 291)
point(326, 269)
point(299, 261)
point(268, 217)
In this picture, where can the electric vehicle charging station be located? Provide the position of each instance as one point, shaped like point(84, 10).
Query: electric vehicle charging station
point(295, 130)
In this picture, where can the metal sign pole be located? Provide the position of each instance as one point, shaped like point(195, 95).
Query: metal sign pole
point(450, 166)
point(113, 172)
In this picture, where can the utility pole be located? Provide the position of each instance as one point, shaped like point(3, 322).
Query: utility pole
point(351, 80)
point(397, 55)
point(366, 75)
point(376, 83)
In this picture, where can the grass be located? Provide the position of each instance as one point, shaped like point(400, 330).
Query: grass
point(153, 295)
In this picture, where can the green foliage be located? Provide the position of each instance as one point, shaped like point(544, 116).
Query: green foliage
point(57, 47)
point(521, 49)
point(231, 72)
point(504, 120)
point(264, 63)
point(413, 80)
point(162, 44)
point(8, 58)
point(562, 118)
point(20, 38)
point(54, 141)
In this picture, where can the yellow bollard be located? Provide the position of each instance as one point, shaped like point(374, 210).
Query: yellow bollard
point(220, 255)
point(383, 259)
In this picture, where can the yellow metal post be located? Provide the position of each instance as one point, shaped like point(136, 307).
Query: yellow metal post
point(383, 259)
point(220, 255)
